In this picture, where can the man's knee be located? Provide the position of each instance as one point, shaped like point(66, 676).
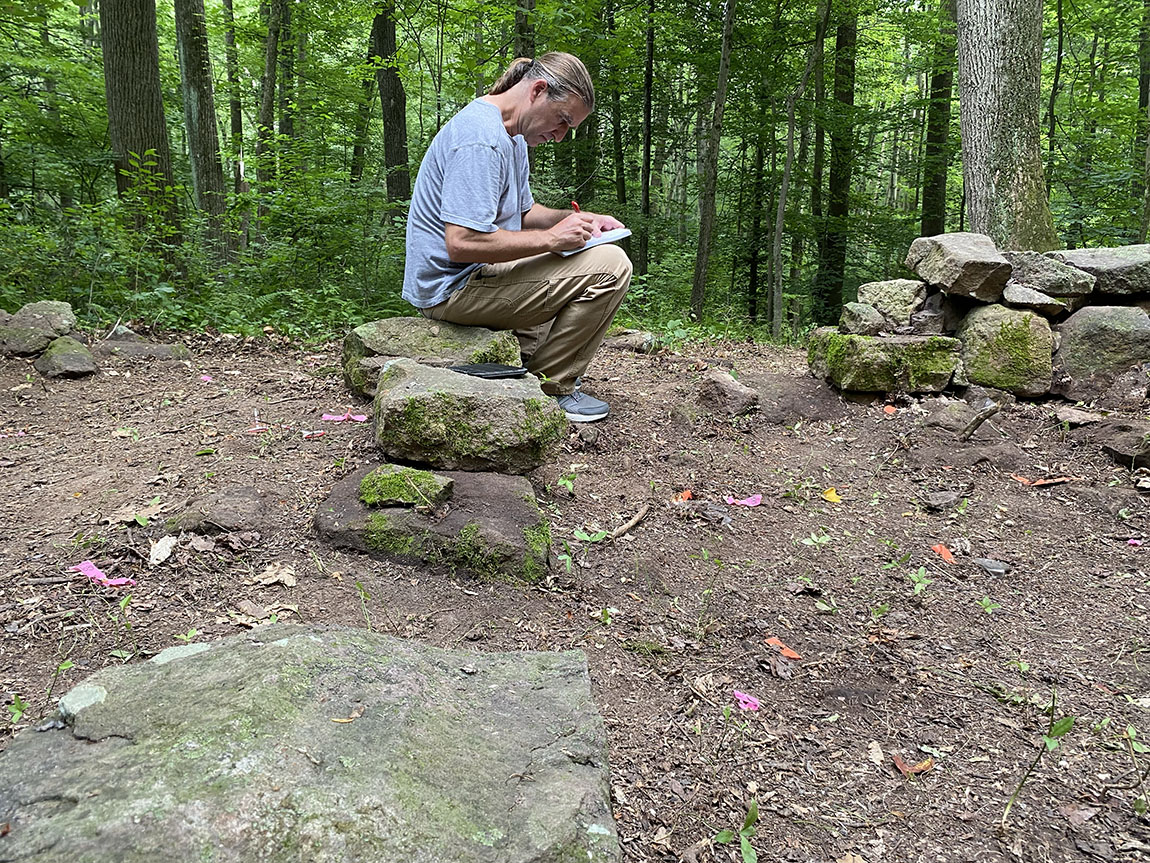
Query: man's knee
point(611, 258)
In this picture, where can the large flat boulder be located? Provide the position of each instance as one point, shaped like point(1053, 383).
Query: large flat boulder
point(484, 523)
point(459, 422)
point(1098, 344)
point(1120, 271)
point(433, 343)
point(1007, 349)
point(895, 299)
point(964, 264)
point(913, 364)
point(1044, 274)
point(318, 744)
point(34, 327)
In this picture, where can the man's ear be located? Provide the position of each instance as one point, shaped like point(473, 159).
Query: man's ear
point(538, 88)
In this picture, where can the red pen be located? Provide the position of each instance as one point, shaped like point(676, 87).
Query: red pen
point(575, 206)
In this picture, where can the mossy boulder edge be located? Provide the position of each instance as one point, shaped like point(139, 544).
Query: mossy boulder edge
point(492, 527)
point(368, 347)
point(911, 364)
point(457, 422)
point(1007, 349)
point(418, 765)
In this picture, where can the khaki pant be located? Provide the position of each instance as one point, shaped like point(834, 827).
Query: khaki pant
point(576, 296)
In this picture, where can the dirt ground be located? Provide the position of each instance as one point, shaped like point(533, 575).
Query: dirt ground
point(906, 659)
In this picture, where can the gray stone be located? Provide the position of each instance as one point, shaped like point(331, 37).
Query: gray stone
point(1023, 297)
point(34, 326)
point(1073, 417)
point(964, 264)
point(719, 392)
point(232, 755)
point(394, 485)
point(636, 341)
point(928, 323)
point(492, 529)
point(1042, 273)
point(873, 364)
point(949, 414)
point(784, 399)
point(432, 343)
point(1098, 345)
point(1007, 349)
point(1125, 441)
point(459, 422)
point(991, 566)
point(1122, 271)
point(66, 358)
point(1128, 391)
point(120, 333)
point(235, 509)
point(861, 319)
point(895, 299)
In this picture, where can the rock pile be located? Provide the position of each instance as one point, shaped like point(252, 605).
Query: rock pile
point(455, 495)
point(1069, 323)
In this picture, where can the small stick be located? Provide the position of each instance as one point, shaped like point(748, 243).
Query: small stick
point(639, 516)
point(979, 418)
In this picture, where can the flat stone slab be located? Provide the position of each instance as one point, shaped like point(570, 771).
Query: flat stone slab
point(368, 347)
point(913, 364)
point(460, 422)
point(1121, 271)
point(318, 744)
point(1043, 273)
point(490, 526)
point(963, 264)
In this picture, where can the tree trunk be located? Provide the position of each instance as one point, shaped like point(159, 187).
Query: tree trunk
point(287, 74)
point(586, 143)
point(711, 169)
point(525, 28)
point(756, 231)
point(136, 122)
point(936, 159)
point(1142, 132)
point(1050, 117)
point(363, 115)
point(265, 157)
point(200, 114)
point(827, 300)
point(1000, 78)
point(393, 104)
point(818, 220)
point(784, 188)
point(235, 109)
point(645, 171)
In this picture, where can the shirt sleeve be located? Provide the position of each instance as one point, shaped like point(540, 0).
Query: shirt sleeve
point(526, 199)
point(472, 186)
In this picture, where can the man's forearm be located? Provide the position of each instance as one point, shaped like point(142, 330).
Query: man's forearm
point(541, 218)
point(476, 247)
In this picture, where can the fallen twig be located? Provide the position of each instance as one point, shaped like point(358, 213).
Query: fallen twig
point(639, 516)
point(979, 418)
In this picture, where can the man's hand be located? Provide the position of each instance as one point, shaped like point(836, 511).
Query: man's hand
point(603, 223)
point(572, 232)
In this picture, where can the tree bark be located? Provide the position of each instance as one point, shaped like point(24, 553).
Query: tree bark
point(827, 300)
point(136, 123)
point(235, 109)
point(645, 170)
point(1142, 132)
point(393, 105)
point(287, 74)
point(265, 156)
point(1050, 117)
point(777, 242)
point(525, 28)
point(200, 114)
point(1000, 77)
point(936, 157)
point(711, 169)
point(363, 115)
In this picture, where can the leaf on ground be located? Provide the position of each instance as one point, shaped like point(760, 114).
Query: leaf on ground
point(162, 549)
point(1050, 480)
point(874, 752)
point(1078, 813)
point(943, 552)
point(908, 770)
point(251, 609)
point(832, 495)
point(351, 717)
point(685, 494)
point(278, 573)
point(783, 649)
point(203, 543)
point(850, 857)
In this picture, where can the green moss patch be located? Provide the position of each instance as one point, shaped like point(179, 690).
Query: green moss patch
point(392, 485)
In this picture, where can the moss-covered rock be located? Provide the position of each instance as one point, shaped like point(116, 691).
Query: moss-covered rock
point(453, 421)
point(433, 343)
point(1007, 349)
point(34, 327)
point(895, 299)
point(414, 768)
point(66, 358)
point(394, 485)
point(493, 529)
point(857, 363)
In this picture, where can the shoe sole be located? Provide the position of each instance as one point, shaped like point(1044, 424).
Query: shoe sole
point(584, 418)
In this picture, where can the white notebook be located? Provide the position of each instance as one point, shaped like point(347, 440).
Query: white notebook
point(612, 236)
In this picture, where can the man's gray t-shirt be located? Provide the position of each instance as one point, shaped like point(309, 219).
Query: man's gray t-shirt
point(474, 175)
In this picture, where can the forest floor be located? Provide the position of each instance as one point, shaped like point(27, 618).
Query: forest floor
point(906, 659)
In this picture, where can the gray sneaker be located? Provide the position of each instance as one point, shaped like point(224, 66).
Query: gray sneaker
point(582, 408)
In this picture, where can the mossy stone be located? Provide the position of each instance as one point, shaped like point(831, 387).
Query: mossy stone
point(393, 485)
point(856, 363)
point(1007, 349)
